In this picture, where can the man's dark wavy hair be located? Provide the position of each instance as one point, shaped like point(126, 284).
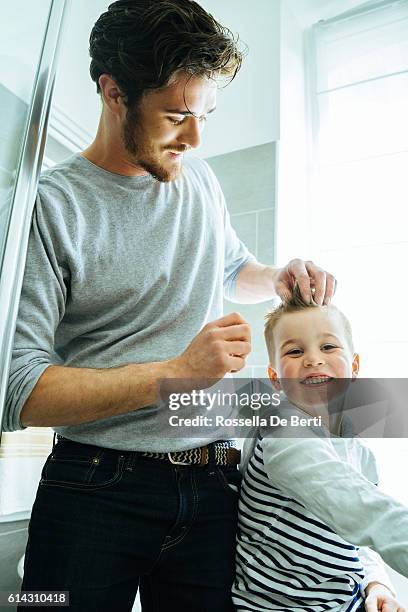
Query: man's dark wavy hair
point(142, 43)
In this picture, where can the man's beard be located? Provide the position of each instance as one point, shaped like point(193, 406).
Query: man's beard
point(136, 143)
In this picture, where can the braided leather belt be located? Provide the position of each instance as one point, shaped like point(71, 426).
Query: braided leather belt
point(225, 454)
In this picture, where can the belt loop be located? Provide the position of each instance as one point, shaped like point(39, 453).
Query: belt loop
point(131, 457)
point(211, 455)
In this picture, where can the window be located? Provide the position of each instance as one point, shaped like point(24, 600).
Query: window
point(358, 86)
point(358, 209)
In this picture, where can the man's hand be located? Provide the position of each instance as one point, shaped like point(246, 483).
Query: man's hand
point(220, 347)
point(380, 599)
point(258, 283)
point(312, 280)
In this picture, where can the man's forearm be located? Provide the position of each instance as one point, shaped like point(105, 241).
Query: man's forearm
point(256, 283)
point(70, 396)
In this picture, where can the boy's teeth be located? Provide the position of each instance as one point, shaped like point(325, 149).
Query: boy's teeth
point(316, 380)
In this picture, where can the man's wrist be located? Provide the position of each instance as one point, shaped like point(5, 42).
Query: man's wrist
point(271, 274)
point(173, 368)
point(164, 373)
point(148, 380)
point(256, 283)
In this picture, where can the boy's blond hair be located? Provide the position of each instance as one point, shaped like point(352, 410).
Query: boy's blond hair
point(297, 304)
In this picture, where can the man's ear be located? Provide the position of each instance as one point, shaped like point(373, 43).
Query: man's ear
point(355, 367)
point(111, 94)
point(273, 377)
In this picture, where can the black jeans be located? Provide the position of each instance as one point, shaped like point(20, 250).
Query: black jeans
point(106, 522)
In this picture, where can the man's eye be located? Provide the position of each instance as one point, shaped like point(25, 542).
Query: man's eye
point(180, 121)
point(176, 121)
point(294, 352)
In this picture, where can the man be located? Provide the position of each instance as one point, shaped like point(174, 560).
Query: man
point(130, 250)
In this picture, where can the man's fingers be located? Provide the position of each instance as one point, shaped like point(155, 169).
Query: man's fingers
point(235, 332)
point(317, 279)
point(234, 318)
point(242, 349)
point(283, 291)
point(303, 280)
point(296, 274)
point(331, 286)
point(231, 327)
point(313, 282)
point(236, 364)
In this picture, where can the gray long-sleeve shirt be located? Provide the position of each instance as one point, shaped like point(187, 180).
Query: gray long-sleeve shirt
point(120, 270)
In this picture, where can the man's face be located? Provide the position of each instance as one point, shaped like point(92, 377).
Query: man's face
point(162, 128)
point(312, 356)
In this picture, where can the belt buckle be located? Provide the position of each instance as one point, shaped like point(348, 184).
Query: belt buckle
point(174, 462)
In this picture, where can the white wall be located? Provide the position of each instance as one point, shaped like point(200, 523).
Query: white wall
point(75, 93)
point(248, 109)
point(292, 179)
point(21, 41)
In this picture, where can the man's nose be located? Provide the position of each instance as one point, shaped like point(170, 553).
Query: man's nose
point(191, 134)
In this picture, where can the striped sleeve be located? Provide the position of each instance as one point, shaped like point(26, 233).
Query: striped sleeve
point(339, 495)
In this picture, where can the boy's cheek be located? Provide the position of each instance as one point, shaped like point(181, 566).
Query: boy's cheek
point(289, 370)
point(342, 368)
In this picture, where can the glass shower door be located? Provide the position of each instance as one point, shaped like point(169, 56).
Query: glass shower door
point(29, 36)
point(20, 48)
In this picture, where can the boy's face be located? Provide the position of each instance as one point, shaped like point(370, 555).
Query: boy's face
point(311, 354)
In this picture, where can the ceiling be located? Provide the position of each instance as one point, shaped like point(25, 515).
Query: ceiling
point(308, 12)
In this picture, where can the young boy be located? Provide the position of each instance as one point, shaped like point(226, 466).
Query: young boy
point(308, 498)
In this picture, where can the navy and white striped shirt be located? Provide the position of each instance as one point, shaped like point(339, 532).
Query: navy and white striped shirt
point(288, 559)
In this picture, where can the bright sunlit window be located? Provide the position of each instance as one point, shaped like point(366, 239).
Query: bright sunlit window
point(358, 212)
point(358, 208)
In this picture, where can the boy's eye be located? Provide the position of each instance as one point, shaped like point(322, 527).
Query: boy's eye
point(329, 347)
point(295, 351)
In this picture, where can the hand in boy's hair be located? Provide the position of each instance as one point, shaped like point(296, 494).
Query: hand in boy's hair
point(314, 283)
point(380, 599)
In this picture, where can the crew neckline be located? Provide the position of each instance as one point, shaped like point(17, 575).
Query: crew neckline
point(144, 178)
